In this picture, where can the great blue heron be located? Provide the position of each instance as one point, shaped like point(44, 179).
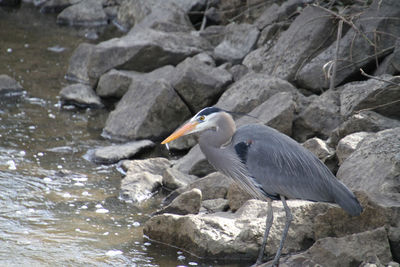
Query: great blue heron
point(267, 164)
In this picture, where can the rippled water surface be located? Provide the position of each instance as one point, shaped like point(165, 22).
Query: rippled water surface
point(56, 208)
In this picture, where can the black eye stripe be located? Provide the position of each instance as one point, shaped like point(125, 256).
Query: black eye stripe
point(208, 111)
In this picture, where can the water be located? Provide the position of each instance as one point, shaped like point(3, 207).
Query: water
point(56, 208)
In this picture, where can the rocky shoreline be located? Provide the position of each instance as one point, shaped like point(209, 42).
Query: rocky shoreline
point(274, 61)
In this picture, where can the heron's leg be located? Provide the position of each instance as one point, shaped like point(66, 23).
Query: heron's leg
point(289, 219)
point(270, 219)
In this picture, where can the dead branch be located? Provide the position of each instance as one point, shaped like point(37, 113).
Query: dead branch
point(378, 79)
point(339, 37)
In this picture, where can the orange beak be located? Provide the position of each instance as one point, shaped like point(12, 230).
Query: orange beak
point(184, 129)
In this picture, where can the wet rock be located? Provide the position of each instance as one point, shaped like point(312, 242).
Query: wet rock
point(252, 90)
point(320, 118)
point(174, 179)
point(345, 251)
point(394, 239)
point(374, 166)
point(55, 6)
point(199, 84)
point(284, 59)
point(372, 94)
point(114, 153)
point(141, 50)
point(239, 40)
point(9, 86)
point(79, 64)
point(348, 145)
point(214, 205)
point(142, 178)
point(116, 83)
point(319, 148)
point(84, 13)
point(195, 163)
point(363, 121)
point(277, 112)
point(356, 50)
point(80, 95)
point(188, 202)
point(153, 110)
point(237, 196)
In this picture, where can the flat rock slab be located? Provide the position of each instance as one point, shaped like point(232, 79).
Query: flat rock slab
point(114, 153)
point(9, 86)
point(80, 95)
point(85, 13)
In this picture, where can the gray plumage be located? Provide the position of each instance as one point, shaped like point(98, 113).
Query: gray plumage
point(267, 164)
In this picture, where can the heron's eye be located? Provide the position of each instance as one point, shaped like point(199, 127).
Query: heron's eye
point(202, 118)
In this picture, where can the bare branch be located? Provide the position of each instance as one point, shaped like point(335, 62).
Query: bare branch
point(339, 36)
point(378, 79)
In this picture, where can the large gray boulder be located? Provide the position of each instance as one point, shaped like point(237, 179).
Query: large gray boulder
point(311, 31)
point(276, 112)
point(373, 36)
point(373, 94)
point(345, 251)
point(320, 118)
point(114, 153)
point(141, 50)
point(252, 90)
point(148, 110)
point(199, 84)
point(374, 168)
point(115, 83)
point(9, 86)
point(84, 13)
point(239, 40)
point(142, 178)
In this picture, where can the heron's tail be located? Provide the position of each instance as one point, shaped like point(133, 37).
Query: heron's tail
point(346, 199)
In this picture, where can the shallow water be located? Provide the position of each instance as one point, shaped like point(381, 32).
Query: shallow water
point(56, 208)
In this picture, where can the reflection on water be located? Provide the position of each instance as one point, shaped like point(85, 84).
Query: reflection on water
point(56, 208)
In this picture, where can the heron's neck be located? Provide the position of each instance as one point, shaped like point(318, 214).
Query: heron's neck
point(221, 135)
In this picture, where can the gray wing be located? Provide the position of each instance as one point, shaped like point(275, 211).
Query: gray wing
point(281, 166)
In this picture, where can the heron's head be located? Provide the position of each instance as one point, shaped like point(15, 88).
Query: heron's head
point(205, 119)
